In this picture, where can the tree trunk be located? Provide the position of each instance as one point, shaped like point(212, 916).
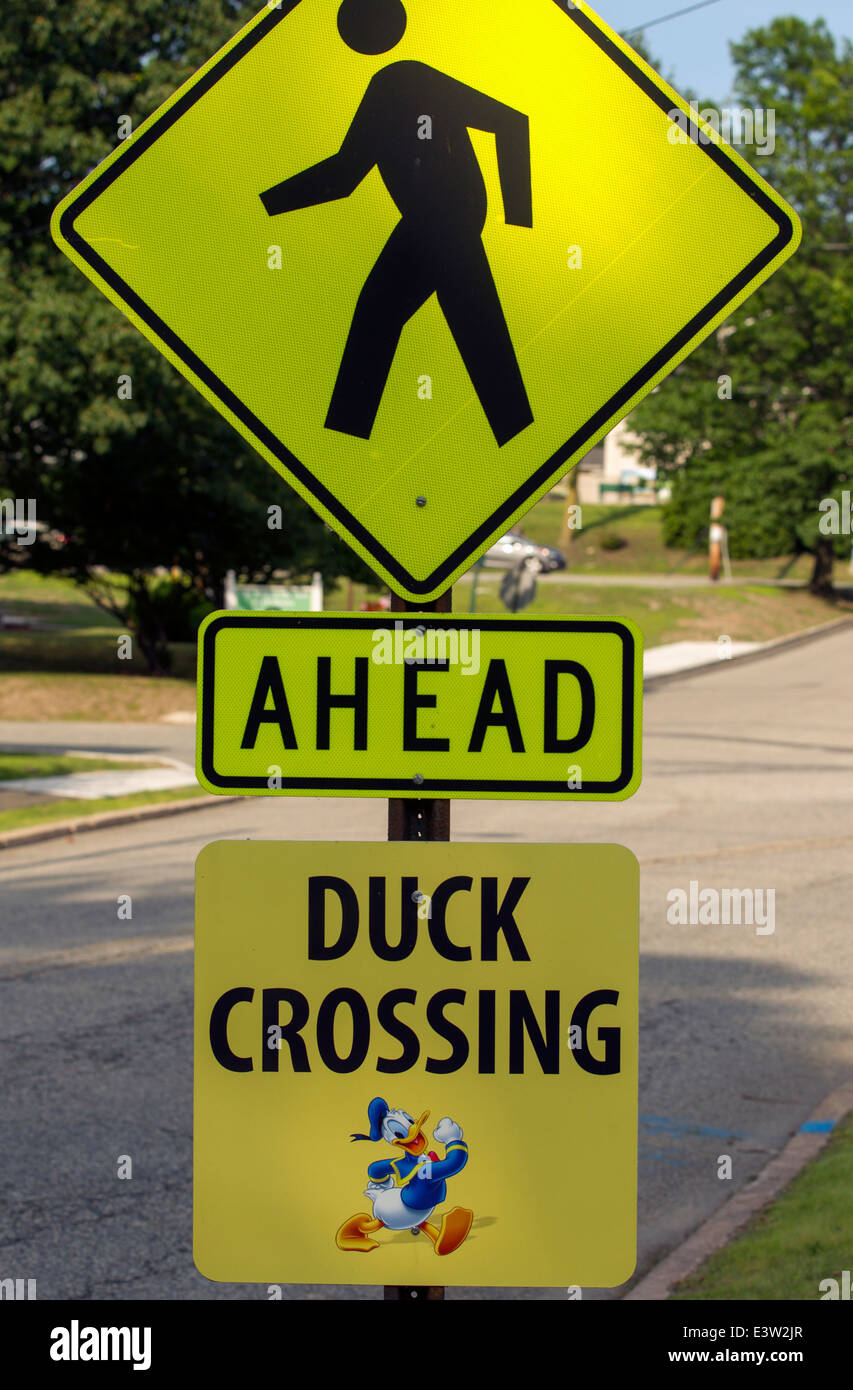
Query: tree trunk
point(821, 580)
point(155, 649)
point(149, 633)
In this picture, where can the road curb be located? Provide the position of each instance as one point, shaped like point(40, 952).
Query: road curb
point(106, 820)
point(719, 1229)
point(795, 639)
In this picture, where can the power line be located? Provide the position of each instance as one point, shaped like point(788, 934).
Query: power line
point(663, 19)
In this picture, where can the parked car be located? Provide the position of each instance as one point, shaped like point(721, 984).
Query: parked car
point(514, 547)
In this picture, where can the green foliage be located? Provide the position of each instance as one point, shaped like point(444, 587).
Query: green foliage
point(782, 442)
point(159, 479)
point(638, 42)
point(175, 605)
point(609, 540)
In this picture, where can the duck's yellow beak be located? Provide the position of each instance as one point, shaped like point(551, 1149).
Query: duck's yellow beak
point(415, 1141)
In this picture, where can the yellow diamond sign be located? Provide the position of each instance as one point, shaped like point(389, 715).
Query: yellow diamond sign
point(424, 257)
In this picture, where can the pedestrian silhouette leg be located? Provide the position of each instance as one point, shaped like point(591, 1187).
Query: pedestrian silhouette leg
point(395, 289)
point(469, 301)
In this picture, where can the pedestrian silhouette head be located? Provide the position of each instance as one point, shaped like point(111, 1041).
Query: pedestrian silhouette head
point(371, 26)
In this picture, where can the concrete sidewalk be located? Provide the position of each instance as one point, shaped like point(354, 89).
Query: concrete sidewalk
point(91, 786)
point(687, 656)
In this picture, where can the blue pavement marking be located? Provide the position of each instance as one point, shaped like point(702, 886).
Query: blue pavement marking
point(817, 1127)
point(662, 1124)
point(645, 1155)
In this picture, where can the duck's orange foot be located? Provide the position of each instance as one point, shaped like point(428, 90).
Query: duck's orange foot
point(455, 1225)
point(353, 1235)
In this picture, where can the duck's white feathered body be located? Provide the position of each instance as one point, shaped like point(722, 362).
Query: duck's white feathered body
point(390, 1209)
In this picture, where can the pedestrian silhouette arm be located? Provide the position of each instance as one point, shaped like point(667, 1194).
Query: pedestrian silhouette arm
point(335, 177)
point(511, 130)
point(513, 145)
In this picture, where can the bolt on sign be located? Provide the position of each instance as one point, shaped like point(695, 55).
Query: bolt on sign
point(423, 257)
point(416, 1063)
point(453, 705)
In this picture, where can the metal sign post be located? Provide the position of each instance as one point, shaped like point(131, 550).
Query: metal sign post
point(418, 820)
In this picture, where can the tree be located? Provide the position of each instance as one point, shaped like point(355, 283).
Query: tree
point(761, 411)
point(637, 39)
point(157, 478)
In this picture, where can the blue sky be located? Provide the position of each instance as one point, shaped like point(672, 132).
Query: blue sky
point(693, 51)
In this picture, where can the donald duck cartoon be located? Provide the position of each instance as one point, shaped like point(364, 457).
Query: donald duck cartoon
point(406, 1189)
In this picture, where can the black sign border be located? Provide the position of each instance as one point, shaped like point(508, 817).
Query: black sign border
point(430, 787)
point(408, 583)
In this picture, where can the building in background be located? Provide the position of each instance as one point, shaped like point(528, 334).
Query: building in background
point(611, 473)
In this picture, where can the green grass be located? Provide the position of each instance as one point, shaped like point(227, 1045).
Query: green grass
point(645, 552)
point(66, 666)
point(657, 613)
point(746, 613)
point(752, 613)
point(69, 632)
point(50, 811)
point(15, 766)
point(83, 649)
point(803, 1237)
point(50, 599)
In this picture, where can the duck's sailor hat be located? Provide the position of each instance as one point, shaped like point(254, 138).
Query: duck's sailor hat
point(376, 1112)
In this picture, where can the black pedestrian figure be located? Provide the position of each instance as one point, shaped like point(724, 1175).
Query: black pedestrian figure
point(412, 124)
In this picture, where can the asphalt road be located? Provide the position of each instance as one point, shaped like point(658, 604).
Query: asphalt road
point(748, 777)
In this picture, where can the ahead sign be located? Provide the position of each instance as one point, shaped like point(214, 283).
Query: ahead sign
point(420, 705)
point(405, 1052)
point(423, 258)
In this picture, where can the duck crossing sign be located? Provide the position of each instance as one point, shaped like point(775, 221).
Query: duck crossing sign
point(424, 257)
point(416, 1064)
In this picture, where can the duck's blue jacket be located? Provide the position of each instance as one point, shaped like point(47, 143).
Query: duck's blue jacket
point(422, 1191)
